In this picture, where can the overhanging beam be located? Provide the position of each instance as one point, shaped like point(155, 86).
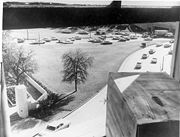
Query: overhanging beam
point(35, 17)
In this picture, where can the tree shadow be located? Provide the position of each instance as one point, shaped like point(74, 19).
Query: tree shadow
point(59, 107)
point(25, 124)
point(53, 104)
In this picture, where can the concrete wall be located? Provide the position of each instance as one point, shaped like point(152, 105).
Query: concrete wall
point(120, 120)
point(21, 101)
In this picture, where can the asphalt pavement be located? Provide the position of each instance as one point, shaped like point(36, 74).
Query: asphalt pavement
point(90, 119)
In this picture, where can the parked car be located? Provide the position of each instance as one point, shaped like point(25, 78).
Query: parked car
point(54, 127)
point(133, 37)
point(159, 45)
point(96, 41)
point(106, 42)
point(103, 37)
point(148, 39)
point(144, 56)
point(154, 36)
point(121, 39)
point(151, 51)
point(116, 38)
point(167, 45)
point(20, 40)
point(154, 60)
point(72, 39)
point(83, 32)
point(67, 41)
point(138, 65)
point(77, 38)
point(171, 41)
point(54, 38)
point(38, 42)
point(169, 35)
point(170, 52)
point(46, 40)
point(145, 35)
point(126, 37)
point(143, 45)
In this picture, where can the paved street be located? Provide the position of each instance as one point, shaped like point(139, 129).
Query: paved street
point(90, 119)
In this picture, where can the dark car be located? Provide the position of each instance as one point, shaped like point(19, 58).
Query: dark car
point(106, 42)
point(143, 45)
point(159, 45)
point(167, 45)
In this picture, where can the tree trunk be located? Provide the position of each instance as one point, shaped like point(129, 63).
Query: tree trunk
point(75, 83)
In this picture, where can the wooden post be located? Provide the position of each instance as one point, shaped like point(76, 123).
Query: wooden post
point(175, 65)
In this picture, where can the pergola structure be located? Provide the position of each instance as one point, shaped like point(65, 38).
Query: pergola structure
point(33, 17)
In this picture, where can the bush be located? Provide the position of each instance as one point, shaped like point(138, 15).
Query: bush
point(48, 105)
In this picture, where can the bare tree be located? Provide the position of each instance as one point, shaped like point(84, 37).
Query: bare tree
point(17, 62)
point(76, 64)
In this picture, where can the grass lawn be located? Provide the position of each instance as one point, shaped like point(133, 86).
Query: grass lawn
point(107, 58)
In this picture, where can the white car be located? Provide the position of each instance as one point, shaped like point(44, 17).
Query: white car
point(148, 39)
point(144, 56)
point(116, 38)
point(151, 51)
point(58, 125)
point(54, 127)
point(154, 60)
point(138, 65)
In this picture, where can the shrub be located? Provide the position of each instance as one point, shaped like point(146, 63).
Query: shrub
point(48, 105)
